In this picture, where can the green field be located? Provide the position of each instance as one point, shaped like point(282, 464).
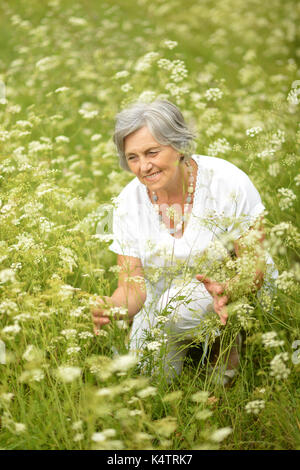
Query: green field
point(66, 69)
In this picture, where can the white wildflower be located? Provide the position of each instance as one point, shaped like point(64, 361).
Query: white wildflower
point(67, 291)
point(20, 427)
point(154, 345)
point(115, 269)
point(145, 62)
point(6, 397)
point(164, 64)
point(266, 154)
point(287, 198)
point(73, 350)
point(278, 367)
point(170, 44)
point(32, 353)
point(76, 21)
point(126, 87)
point(124, 363)
point(8, 307)
point(203, 414)
point(32, 375)
point(77, 312)
point(162, 319)
point(61, 89)
point(47, 63)
point(69, 333)
point(88, 111)
point(220, 146)
point(7, 275)
point(277, 139)
point(23, 123)
point(102, 333)
point(220, 434)
point(96, 137)
point(11, 329)
point(135, 412)
point(25, 242)
point(104, 392)
point(270, 340)
point(147, 392)
point(102, 436)
point(297, 179)
point(77, 425)
point(253, 131)
point(274, 169)
point(68, 373)
point(62, 138)
point(178, 71)
point(200, 397)
point(285, 282)
point(85, 335)
point(255, 406)
point(118, 311)
point(213, 94)
point(122, 74)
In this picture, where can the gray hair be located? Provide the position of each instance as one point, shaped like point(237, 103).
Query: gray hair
point(163, 119)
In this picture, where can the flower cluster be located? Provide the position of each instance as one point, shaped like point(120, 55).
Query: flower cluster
point(213, 94)
point(255, 406)
point(285, 282)
point(253, 131)
point(270, 340)
point(220, 146)
point(287, 198)
point(279, 370)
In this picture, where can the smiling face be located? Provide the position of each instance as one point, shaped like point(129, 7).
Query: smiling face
point(154, 164)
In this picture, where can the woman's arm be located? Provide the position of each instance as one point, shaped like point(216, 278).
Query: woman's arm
point(131, 290)
point(130, 293)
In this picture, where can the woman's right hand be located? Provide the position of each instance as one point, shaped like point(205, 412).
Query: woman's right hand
point(100, 313)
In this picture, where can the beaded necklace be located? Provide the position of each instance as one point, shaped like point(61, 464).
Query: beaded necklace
point(183, 219)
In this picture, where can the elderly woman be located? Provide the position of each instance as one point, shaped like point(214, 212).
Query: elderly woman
point(157, 226)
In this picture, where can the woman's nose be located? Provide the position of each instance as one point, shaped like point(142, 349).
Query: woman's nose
point(145, 167)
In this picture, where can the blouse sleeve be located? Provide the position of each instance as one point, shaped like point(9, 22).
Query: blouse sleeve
point(125, 238)
point(247, 205)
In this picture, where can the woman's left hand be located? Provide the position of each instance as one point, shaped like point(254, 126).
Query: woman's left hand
point(215, 289)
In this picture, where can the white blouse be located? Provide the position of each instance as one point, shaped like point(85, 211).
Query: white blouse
point(226, 203)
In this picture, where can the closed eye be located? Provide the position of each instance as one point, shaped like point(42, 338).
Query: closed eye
point(150, 152)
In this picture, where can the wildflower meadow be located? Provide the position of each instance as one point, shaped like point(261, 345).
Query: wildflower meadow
point(66, 69)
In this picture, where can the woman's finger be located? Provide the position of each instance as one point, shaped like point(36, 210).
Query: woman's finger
point(213, 287)
point(100, 313)
point(220, 309)
point(202, 278)
point(223, 316)
point(101, 320)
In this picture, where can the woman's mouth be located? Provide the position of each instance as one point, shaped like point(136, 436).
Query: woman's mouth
point(153, 176)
